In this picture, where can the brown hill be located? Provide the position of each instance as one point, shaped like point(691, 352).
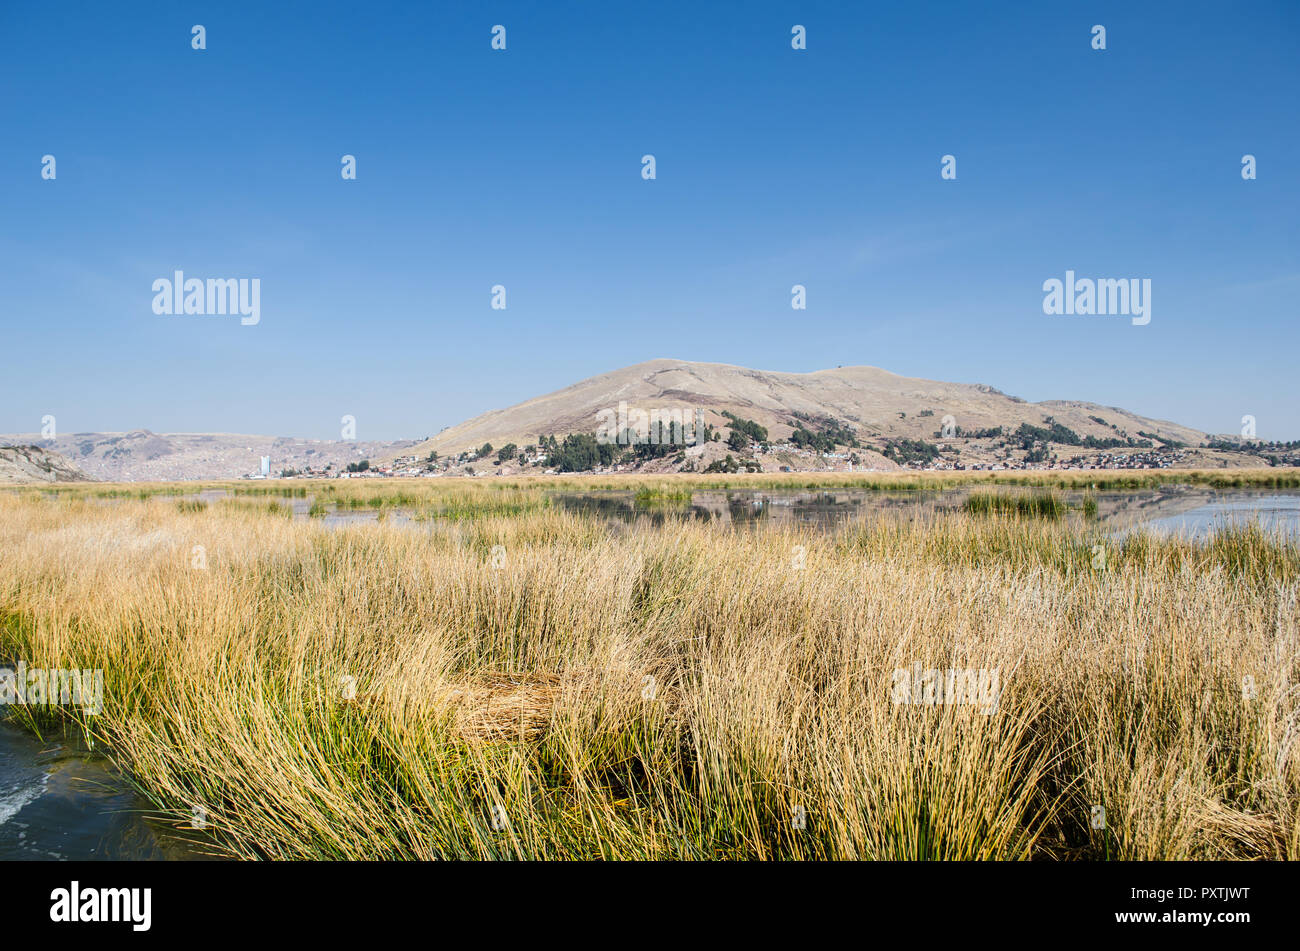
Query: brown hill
point(876, 404)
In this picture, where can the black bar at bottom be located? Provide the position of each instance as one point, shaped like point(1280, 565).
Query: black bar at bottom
point(332, 901)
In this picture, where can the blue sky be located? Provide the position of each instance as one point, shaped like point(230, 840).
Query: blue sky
point(522, 168)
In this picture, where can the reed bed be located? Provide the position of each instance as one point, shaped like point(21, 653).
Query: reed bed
point(1034, 505)
point(477, 491)
point(537, 684)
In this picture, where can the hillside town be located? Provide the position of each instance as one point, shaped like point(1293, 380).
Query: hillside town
point(740, 445)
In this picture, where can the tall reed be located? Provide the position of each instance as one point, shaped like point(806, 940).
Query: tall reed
point(539, 685)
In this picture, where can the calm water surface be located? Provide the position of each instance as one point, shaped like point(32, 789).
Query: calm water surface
point(1169, 510)
point(1193, 512)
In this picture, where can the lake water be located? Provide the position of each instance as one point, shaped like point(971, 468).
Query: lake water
point(60, 802)
point(1190, 511)
point(1272, 511)
point(1168, 510)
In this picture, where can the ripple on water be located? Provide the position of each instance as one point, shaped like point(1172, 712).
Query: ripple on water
point(58, 803)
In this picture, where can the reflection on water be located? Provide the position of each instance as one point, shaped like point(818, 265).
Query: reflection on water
point(1188, 511)
point(1272, 511)
point(59, 803)
point(1168, 510)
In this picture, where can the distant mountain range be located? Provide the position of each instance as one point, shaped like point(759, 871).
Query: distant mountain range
point(890, 418)
point(143, 456)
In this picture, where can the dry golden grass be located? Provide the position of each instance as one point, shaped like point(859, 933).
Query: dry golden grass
point(677, 692)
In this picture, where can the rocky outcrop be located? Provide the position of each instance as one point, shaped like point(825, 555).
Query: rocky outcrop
point(32, 464)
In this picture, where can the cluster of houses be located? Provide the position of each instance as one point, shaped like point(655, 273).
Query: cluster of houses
point(801, 452)
point(1149, 459)
point(533, 457)
point(407, 467)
